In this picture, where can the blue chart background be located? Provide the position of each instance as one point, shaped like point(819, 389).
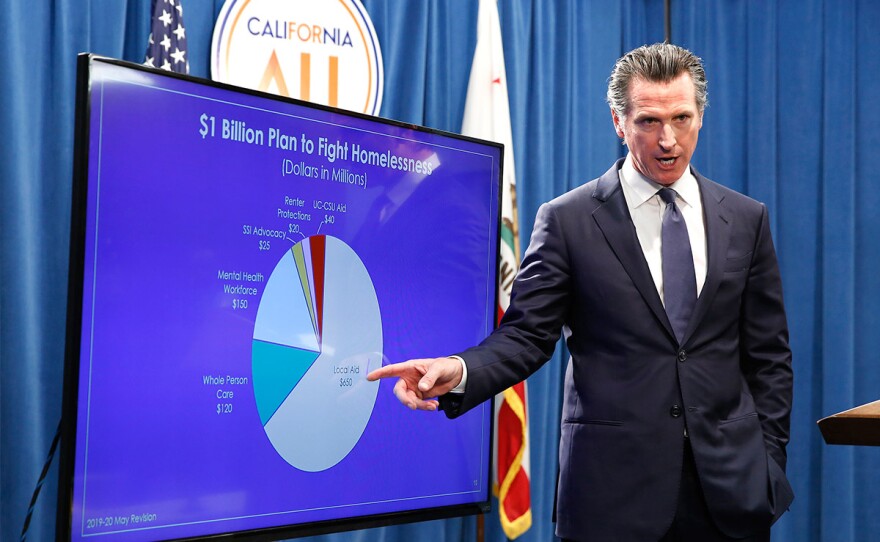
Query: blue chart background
point(792, 121)
point(158, 320)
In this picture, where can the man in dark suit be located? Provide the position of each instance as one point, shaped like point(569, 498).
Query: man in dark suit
point(677, 398)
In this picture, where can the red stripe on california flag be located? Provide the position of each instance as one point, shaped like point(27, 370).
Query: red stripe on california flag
point(511, 441)
point(518, 502)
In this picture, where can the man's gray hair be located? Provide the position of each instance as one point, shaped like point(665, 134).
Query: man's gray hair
point(658, 63)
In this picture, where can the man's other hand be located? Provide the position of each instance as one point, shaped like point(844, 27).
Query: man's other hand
point(421, 380)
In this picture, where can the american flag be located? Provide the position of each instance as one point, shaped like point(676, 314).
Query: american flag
point(167, 45)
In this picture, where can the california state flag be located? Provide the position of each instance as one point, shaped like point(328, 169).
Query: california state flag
point(487, 116)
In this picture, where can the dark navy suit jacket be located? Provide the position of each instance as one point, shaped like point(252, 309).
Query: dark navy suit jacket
point(630, 388)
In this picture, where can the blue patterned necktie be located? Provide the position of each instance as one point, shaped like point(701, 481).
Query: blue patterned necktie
point(679, 279)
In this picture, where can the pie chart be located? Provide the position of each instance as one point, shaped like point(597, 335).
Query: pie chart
point(317, 334)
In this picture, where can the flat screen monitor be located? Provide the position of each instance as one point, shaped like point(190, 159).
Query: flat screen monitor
point(239, 263)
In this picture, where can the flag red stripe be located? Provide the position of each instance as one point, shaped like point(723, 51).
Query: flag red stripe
point(509, 439)
point(517, 502)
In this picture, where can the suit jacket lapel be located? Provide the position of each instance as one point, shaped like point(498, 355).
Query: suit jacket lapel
point(718, 222)
point(613, 218)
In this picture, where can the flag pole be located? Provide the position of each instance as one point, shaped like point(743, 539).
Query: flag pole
point(667, 21)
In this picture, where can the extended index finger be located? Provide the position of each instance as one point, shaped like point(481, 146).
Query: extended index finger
point(395, 369)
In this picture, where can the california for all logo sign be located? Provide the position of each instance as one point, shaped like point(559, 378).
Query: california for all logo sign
point(324, 52)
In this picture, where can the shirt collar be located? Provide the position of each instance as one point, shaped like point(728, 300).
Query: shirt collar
point(643, 189)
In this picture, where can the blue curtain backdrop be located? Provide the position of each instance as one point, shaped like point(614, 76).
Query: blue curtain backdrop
point(792, 121)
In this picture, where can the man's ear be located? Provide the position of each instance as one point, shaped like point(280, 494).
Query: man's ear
point(618, 123)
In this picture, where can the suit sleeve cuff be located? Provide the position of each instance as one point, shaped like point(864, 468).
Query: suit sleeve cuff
point(461, 385)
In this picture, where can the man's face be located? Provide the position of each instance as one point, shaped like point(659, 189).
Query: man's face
point(661, 127)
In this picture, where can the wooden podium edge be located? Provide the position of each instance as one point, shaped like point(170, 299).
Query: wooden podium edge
point(859, 426)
